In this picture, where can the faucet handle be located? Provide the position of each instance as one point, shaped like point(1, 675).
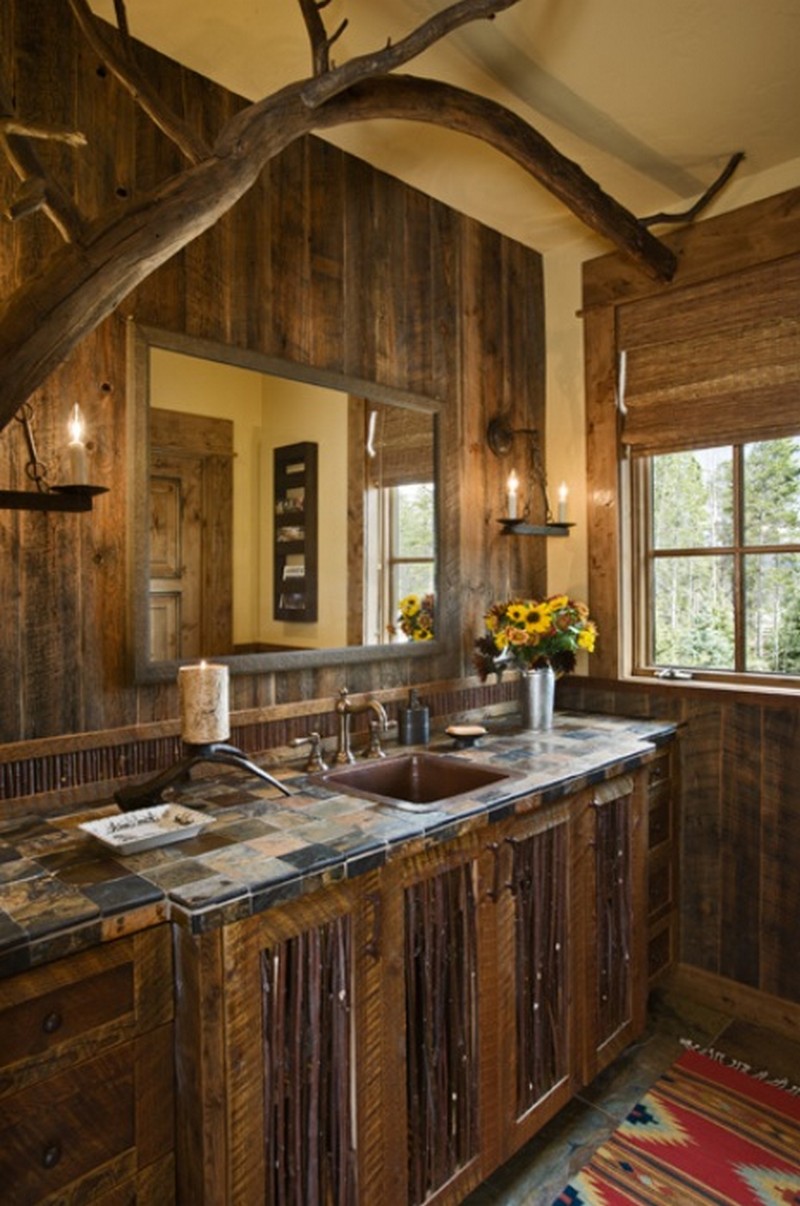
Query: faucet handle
point(373, 749)
point(315, 762)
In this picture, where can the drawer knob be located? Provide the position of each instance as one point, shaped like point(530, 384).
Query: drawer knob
point(51, 1155)
point(52, 1022)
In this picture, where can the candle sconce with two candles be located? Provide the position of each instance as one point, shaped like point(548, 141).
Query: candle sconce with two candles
point(500, 438)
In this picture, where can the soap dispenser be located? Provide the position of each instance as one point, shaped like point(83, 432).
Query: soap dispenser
point(415, 722)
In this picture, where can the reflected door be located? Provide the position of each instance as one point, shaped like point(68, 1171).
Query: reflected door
point(191, 526)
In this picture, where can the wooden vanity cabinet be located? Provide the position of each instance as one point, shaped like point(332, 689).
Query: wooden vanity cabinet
point(86, 1080)
point(279, 1059)
point(396, 1037)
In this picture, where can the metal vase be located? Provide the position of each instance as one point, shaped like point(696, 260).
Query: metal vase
point(537, 691)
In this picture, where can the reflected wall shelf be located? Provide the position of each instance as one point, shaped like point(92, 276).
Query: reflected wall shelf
point(295, 528)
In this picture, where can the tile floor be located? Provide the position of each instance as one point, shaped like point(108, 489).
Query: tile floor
point(540, 1170)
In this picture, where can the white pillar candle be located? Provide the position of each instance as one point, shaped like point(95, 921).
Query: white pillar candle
point(77, 449)
point(203, 693)
point(512, 486)
point(563, 495)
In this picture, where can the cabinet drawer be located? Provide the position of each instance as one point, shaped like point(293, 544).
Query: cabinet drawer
point(65, 1013)
point(58, 1130)
point(70, 1010)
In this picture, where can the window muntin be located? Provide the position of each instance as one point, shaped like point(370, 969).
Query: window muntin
point(719, 560)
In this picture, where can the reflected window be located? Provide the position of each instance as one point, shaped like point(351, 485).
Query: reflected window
point(400, 506)
point(410, 559)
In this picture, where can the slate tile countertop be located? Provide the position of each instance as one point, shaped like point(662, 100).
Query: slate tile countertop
point(61, 891)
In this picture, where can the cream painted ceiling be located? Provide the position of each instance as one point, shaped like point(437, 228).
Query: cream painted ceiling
point(650, 97)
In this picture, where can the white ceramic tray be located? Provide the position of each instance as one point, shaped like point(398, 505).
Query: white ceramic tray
point(131, 832)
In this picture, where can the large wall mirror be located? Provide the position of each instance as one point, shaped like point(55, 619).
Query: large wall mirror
point(279, 513)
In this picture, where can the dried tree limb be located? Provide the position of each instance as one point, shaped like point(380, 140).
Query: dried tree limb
point(324, 88)
point(427, 100)
point(29, 197)
point(10, 124)
point(81, 286)
point(185, 137)
point(318, 36)
point(58, 206)
point(689, 214)
point(121, 13)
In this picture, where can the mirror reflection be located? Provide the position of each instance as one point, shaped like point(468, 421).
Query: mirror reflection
point(282, 515)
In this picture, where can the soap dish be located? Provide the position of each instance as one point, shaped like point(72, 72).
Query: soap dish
point(465, 735)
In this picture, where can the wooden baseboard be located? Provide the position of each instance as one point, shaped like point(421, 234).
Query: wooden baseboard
point(739, 1000)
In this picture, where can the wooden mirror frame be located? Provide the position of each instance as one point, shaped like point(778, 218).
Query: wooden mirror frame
point(140, 340)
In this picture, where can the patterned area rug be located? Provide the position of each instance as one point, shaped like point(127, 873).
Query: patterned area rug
point(704, 1133)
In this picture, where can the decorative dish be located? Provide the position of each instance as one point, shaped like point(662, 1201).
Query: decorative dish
point(131, 832)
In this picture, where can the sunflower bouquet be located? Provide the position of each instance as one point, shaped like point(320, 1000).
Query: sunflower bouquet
point(416, 617)
point(524, 634)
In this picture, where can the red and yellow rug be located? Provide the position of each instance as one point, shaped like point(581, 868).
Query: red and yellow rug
point(705, 1133)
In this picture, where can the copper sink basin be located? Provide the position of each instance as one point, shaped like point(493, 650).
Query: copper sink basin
point(417, 782)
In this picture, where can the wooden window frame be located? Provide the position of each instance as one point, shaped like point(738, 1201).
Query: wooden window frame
point(724, 246)
point(642, 592)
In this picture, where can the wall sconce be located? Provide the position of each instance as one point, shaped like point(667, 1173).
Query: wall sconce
point(500, 438)
point(77, 495)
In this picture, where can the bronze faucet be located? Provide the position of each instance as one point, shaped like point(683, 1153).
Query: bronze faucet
point(344, 710)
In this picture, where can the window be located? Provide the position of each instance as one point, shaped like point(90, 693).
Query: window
point(717, 588)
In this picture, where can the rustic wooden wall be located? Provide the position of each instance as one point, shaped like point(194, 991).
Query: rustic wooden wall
point(325, 262)
point(740, 896)
point(740, 825)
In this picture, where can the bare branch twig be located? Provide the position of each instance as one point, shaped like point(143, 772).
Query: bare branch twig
point(328, 85)
point(689, 214)
point(9, 124)
point(38, 190)
point(176, 129)
point(318, 36)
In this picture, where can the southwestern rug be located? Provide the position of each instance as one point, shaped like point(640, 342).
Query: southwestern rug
point(704, 1133)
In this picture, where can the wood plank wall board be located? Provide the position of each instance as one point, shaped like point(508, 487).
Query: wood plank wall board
point(740, 843)
point(359, 223)
point(779, 906)
point(327, 251)
point(418, 314)
point(443, 291)
point(382, 291)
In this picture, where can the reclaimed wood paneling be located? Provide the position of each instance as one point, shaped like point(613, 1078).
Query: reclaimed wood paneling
point(740, 804)
point(740, 825)
point(326, 262)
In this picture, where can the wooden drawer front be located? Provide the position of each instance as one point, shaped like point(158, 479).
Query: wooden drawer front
point(59, 1129)
point(66, 1013)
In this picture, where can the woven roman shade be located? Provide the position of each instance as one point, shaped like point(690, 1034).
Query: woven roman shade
point(404, 445)
point(714, 363)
